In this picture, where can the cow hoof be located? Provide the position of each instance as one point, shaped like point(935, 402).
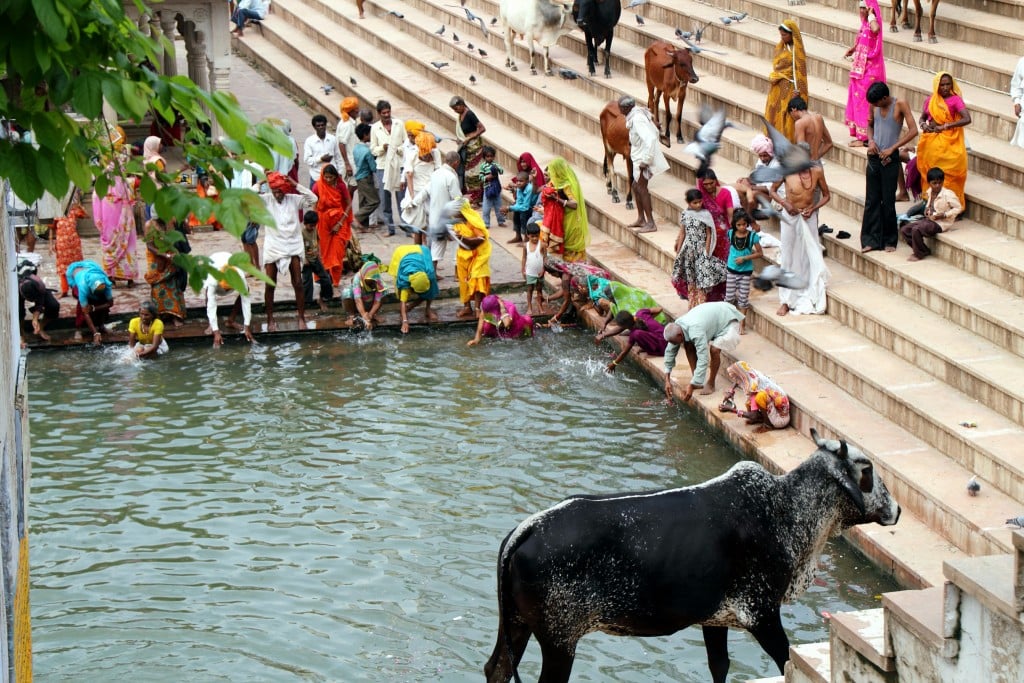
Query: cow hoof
point(513, 67)
point(679, 139)
point(616, 199)
point(549, 72)
point(664, 139)
point(629, 206)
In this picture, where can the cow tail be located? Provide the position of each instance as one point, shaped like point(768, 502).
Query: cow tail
point(505, 600)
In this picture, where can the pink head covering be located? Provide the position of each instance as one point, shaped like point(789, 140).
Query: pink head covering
point(761, 145)
point(527, 162)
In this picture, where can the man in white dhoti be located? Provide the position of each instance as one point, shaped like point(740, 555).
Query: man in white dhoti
point(283, 248)
point(648, 160)
point(805, 193)
point(1017, 96)
point(443, 187)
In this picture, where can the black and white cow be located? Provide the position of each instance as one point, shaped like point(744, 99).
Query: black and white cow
point(725, 553)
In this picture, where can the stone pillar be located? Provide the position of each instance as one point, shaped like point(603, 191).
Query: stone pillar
point(168, 27)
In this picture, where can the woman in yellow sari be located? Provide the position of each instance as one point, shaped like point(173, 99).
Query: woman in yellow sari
point(787, 79)
point(565, 227)
point(942, 143)
point(472, 259)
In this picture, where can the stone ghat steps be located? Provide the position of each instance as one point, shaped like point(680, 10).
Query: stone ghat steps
point(659, 246)
point(913, 554)
point(661, 243)
point(739, 87)
point(994, 10)
point(981, 50)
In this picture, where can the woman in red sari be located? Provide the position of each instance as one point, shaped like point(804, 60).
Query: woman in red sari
point(718, 202)
point(335, 226)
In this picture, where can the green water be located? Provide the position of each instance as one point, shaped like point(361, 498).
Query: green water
point(331, 509)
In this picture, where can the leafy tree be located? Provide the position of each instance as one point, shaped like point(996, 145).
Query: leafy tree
point(61, 59)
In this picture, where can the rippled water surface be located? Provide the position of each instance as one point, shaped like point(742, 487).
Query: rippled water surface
point(331, 510)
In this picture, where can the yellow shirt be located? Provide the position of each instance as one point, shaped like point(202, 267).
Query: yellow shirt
point(135, 327)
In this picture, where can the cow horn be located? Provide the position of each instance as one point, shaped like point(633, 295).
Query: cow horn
point(854, 493)
point(818, 441)
point(843, 450)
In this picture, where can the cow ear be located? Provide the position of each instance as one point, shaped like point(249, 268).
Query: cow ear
point(867, 478)
point(853, 492)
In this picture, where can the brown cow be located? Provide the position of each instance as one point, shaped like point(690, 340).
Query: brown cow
point(615, 137)
point(669, 71)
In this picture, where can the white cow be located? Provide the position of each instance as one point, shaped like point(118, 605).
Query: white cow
point(543, 21)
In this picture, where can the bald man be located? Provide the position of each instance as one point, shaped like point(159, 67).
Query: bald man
point(648, 160)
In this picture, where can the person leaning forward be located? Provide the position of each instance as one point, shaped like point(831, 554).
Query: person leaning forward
point(703, 332)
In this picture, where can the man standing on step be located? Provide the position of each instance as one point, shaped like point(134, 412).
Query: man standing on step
point(810, 128)
point(887, 118)
point(444, 186)
point(804, 193)
point(648, 160)
point(320, 148)
point(386, 138)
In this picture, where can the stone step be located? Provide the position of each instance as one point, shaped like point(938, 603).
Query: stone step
point(961, 32)
point(921, 617)
point(990, 580)
point(809, 663)
point(996, 10)
point(739, 87)
point(858, 646)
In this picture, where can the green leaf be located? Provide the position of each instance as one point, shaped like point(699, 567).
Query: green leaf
point(88, 95)
point(115, 97)
point(18, 165)
point(50, 20)
point(52, 174)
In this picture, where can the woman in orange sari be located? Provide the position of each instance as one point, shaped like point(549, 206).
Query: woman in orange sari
point(335, 226)
point(787, 79)
point(942, 143)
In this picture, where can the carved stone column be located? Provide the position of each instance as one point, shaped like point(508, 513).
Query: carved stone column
point(168, 26)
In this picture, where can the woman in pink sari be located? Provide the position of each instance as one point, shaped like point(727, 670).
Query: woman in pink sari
point(114, 217)
point(718, 202)
point(868, 67)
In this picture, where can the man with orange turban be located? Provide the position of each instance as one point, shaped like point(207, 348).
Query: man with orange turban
point(346, 135)
point(283, 248)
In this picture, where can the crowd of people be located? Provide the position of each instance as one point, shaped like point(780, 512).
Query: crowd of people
point(375, 171)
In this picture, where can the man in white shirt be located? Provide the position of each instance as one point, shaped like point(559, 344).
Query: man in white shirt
point(444, 186)
point(283, 248)
point(255, 10)
point(214, 287)
point(320, 148)
point(648, 160)
point(386, 137)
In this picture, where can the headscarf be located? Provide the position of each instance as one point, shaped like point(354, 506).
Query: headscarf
point(791, 66)
point(278, 182)
point(493, 309)
point(348, 105)
point(937, 108)
point(414, 127)
point(762, 393)
point(419, 281)
point(151, 151)
point(762, 144)
point(526, 163)
point(577, 229)
point(407, 262)
point(425, 143)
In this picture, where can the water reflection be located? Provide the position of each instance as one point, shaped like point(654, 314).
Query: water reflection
point(331, 509)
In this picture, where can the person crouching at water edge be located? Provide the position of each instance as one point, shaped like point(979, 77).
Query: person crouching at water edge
point(146, 332)
point(214, 287)
point(766, 403)
point(413, 270)
point(502, 320)
point(704, 332)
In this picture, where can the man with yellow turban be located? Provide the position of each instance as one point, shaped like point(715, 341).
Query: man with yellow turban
point(426, 159)
point(346, 134)
point(409, 153)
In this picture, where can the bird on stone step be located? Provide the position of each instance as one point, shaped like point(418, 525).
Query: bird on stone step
point(327, 89)
point(482, 53)
point(472, 79)
point(698, 33)
point(469, 46)
point(494, 20)
point(568, 74)
point(455, 37)
point(351, 81)
point(440, 31)
point(396, 14)
point(684, 35)
point(635, 3)
point(439, 65)
point(639, 20)
point(973, 487)
point(1016, 521)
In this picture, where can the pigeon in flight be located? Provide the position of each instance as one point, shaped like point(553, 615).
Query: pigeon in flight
point(697, 50)
point(791, 158)
point(776, 276)
point(683, 35)
point(766, 209)
point(472, 17)
point(707, 140)
point(439, 65)
point(698, 33)
point(973, 487)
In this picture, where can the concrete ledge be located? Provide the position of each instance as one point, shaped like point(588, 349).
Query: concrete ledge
point(922, 614)
point(989, 579)
point(809, 663)
point(864, 632)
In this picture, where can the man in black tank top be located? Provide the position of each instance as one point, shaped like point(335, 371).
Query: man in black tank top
point(887, 119)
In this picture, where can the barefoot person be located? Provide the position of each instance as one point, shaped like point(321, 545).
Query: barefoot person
point(887, 118)
point(645, 152)
point(472, 258)
point(283, 247)
point(810, 128)
point(413, 270)
point(704, 333)
point(805, 193)
point(214, 287)
point(764, 402)
point(644, 330)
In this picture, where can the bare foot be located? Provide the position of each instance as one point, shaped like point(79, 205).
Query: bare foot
point(431, 317)
point(890, 249)
point(271, 326)
point(648, 227)
point(638, 223)
point(208, 330)
point(903, 197)
point(78, 336)
point(743, 330)
point(465, 312)
point(323, 306)
point(44, 336)
point(707, 390)
point(865, 250)
point(858, 143)
point(515, 240)
point(783, 310)
point(913, 258)
point(301, 322)
point(234, 325)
